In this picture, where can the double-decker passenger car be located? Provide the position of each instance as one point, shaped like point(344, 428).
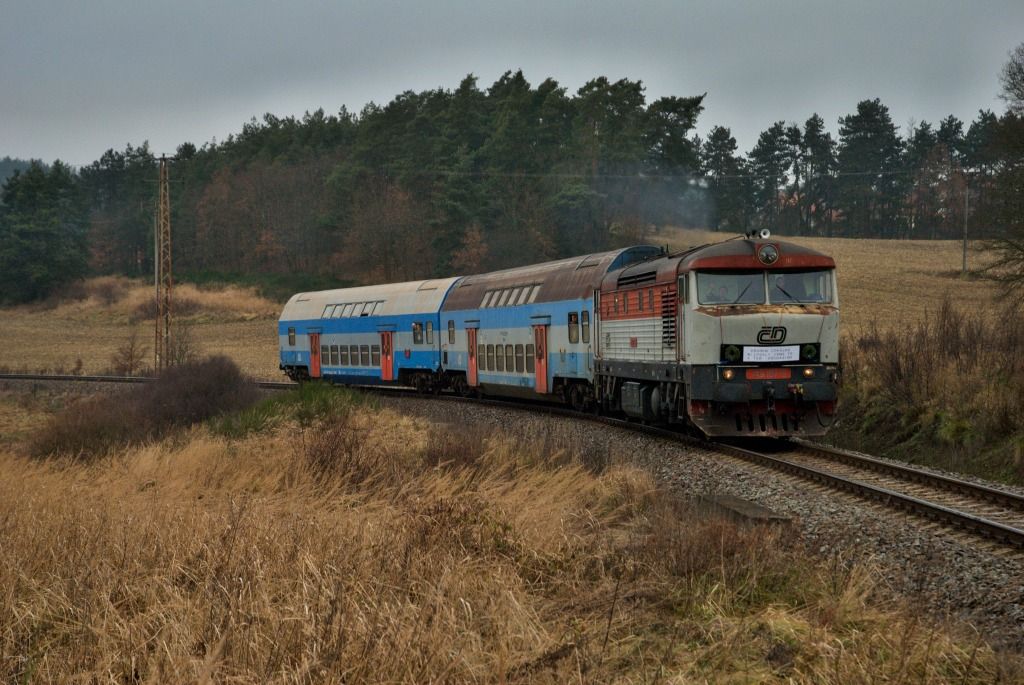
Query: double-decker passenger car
point(734, 338)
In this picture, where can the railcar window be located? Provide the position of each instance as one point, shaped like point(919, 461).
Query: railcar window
point(334, 355)
point(430, 332)
point(800, 286)
point(510, 358)
point(730, 287)
point(348, 309)
point(328, 310)
point(529, 359)
point(513, 299)
point(325, 354)
point(375, 355)
point(481, 354)
point(533, 294)
point(337, 311)
point(586, 325)
point(615, 304)
point(487, 299)
point(417, 333)
point(574, 327)
point(291, 336)
point(504, 297)
point(499, 358)
point(364, 355)
point(367, 308)
point(355, 354)
point(451, 332)
point(520, 365)
point(490, 358)
point(343, 360)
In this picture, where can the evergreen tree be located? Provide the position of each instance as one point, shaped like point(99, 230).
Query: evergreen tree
point(728, 185)
point(769, 161)
point(42, 232)
point(869, 166)
point(819, 155)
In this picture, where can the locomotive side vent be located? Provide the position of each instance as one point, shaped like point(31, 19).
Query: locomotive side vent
point(638, 279)
point(668, 318)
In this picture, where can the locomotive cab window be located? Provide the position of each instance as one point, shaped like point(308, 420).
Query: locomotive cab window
point(574, 327)
point(585, 325)
point(291, 336)
point(417, 333)
point(800, 286)
point(730, 287)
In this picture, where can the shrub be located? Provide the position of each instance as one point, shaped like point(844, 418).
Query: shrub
point(181, 396)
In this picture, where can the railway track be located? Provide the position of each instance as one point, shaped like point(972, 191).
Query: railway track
point(963, 505)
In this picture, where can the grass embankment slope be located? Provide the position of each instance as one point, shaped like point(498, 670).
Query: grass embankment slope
point(318, 538)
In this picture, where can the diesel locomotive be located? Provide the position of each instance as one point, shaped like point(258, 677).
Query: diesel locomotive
point(736, 338)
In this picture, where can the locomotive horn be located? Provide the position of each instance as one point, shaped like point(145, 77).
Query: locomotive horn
point(764, 234)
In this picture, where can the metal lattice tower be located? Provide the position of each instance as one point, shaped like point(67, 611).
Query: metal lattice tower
point(164, 280)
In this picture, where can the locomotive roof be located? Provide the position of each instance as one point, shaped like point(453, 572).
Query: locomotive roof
point(413, 297)
point(729, 254)
point(563, 279)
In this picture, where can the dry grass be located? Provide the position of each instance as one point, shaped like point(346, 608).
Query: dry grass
point(364, 549)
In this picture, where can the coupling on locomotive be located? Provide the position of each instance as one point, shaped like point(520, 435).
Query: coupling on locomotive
point(736, 338)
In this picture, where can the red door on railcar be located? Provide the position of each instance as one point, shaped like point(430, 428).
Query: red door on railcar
point(471, 373)
point(387, 357)
point(314, 355)
point(540, 342)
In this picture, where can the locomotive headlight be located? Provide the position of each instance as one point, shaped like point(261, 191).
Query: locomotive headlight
point(808, 372)
point(728, 374)
point(809, 352)
point(732, 353)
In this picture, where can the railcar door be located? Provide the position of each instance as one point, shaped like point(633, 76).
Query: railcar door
point(314, 355)
point(387, 357)
point(472, 373)
point(540, 343)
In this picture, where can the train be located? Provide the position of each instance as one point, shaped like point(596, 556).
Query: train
point(734, 338)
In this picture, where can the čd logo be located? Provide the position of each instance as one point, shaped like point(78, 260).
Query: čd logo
point(772, 335)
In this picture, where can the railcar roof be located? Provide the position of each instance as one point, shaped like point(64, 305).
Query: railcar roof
point(740, 253)
point(563, 279)
point(413, 297)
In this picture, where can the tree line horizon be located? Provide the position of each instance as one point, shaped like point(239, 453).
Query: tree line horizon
point(469, 179)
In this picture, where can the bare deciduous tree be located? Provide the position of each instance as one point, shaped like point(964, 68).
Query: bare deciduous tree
point(1012, 78)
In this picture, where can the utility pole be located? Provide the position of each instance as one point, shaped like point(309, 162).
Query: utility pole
point(967, 206)
point(163, 275)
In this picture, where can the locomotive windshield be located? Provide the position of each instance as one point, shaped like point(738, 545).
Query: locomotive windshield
point(750, 287)
point(800, 286)
point(730, 287)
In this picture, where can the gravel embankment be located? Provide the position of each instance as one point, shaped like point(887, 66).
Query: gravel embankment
point(945, 573)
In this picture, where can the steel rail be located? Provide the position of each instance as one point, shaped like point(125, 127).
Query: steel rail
point(923, 508)
point(917, 475)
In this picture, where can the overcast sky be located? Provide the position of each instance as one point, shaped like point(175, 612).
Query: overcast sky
point(80, 76)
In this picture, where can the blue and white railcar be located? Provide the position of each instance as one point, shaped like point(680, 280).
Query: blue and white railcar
point(529, 331)
point(365, 336)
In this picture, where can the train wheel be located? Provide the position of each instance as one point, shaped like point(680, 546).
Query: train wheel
point(576, 398)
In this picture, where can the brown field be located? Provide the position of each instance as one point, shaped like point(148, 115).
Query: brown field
point(374, 547)
point(879, 280)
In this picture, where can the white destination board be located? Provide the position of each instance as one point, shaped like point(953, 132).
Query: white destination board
point(781, 353)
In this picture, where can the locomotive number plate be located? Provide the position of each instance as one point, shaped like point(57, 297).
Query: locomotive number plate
point(779, 353)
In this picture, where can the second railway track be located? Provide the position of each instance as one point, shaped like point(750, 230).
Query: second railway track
point(982, 510)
